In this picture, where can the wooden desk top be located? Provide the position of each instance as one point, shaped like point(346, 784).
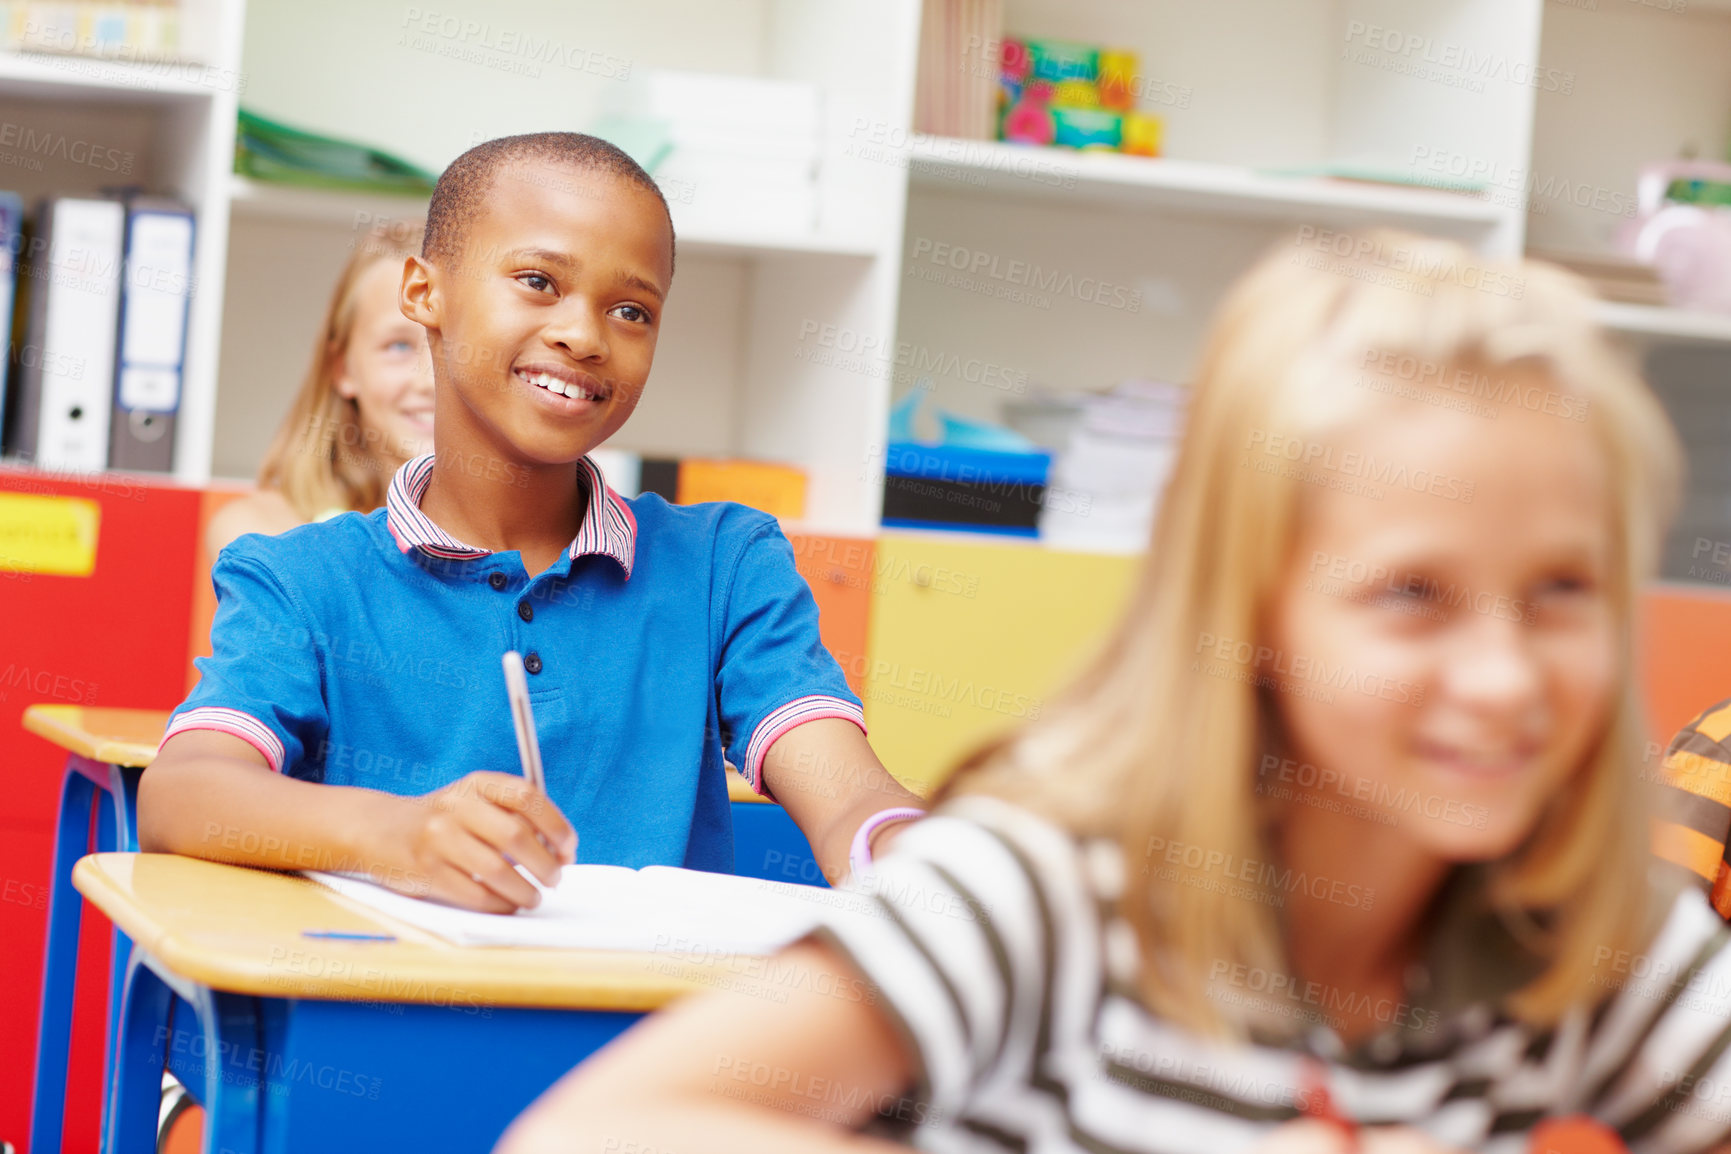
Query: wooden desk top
point(237, 929)
point(130, 736)
point(113, 736)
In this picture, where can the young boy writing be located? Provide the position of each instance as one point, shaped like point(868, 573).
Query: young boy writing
point(353, 715)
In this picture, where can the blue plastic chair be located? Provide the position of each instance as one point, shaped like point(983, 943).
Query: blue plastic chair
point(767, 844)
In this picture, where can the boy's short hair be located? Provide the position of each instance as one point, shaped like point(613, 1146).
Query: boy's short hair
point(463, 186)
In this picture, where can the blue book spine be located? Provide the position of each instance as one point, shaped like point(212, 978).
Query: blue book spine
point(11, 244)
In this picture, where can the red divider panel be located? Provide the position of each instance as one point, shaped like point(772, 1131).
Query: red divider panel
point(116, 637)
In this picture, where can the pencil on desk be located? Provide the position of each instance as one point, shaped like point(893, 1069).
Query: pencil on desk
point(344, 936)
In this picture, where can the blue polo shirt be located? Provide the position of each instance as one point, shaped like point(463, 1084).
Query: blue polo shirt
point(365, 650)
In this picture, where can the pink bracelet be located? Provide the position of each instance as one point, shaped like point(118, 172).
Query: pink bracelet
point(860, 855)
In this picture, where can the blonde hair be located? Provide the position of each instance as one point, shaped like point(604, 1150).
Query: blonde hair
point(317, 459)
point(1140, 747)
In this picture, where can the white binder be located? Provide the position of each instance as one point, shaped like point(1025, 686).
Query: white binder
point(66, 387)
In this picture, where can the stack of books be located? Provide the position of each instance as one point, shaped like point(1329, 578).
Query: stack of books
point(1614, 278)
point(1112, 467)
point(118, 29)
point(960, 47)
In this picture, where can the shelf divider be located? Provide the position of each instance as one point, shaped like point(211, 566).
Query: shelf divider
point(1192, 187)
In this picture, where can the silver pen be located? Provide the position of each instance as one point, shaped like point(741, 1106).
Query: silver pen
point(528, 745)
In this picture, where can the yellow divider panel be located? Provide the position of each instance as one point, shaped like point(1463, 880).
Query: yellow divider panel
point(967, 640)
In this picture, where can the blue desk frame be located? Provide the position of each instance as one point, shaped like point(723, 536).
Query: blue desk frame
point(116, 830)
point(284, 1075)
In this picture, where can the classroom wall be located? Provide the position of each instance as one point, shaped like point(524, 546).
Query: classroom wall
point(270, 325)
point(1645, 89)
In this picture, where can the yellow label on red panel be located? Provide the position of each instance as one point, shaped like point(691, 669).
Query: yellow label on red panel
point(48, 534)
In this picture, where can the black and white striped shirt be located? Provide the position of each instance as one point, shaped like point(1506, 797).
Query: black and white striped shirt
point(991, 936)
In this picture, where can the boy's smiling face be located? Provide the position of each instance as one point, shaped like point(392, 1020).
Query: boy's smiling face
point(543, 325)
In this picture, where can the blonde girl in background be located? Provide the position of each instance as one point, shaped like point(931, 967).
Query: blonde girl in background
point(1339, 844)
point(365, 407)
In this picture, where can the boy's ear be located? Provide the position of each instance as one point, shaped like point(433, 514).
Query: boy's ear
point(419, 296)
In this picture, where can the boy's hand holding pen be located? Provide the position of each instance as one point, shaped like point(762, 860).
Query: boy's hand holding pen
point(462, 844)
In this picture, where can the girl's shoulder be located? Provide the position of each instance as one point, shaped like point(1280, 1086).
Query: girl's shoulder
point(261, 511)
point(1045, 851)
point(972, 929)
point(1027, 878)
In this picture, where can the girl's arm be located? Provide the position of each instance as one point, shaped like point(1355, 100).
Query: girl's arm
point(826, 776)
point(744, 1073)
point(737, 1071)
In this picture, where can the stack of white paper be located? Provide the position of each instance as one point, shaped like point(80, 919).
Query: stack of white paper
point(657, 909)
point(745, 151)
point(1107, 481)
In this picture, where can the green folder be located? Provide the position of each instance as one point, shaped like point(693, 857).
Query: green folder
point(1371, 172)
point(269, 151)
point(1694, 190)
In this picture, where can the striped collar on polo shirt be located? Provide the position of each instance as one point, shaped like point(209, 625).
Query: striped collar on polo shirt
point(609, 529)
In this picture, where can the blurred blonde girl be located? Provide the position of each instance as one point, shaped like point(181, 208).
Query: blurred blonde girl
point(364, 408)
point(1339, 844)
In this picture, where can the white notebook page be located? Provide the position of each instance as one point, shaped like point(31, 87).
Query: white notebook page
point(658, 909)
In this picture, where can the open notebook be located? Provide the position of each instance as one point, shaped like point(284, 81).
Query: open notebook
point(655, 909)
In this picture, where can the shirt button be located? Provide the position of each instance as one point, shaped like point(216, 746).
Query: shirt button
point(497, 580)
point(525, 611)
point(532, 663)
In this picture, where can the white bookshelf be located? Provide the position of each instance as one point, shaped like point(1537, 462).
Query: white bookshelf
point(67, 77)
point(168, 127)
point(1652, 83)
point(1255, 87)
point(261, 200)
point(1186, 187)
point(1249, 92)
point(1651, 325)
point(1252, 90)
